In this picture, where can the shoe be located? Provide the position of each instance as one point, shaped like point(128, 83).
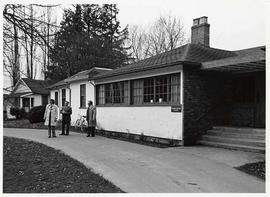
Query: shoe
point(66, 134)
point(49, 136)
point(88, 136)
point(62, 134)
point(54, 136)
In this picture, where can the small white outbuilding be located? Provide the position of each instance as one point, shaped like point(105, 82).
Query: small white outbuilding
point(77, 90)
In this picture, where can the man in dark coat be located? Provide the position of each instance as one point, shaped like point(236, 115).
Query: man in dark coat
point(91, 119)
point(66, 111)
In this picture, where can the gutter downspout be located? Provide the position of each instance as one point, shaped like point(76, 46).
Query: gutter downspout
point(94, 85)
point(68, 87)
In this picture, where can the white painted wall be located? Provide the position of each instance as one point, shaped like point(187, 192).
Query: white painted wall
point(52, 93)
point(37, 99)
point(156, 121)
point(75, 98)
point(22, 88)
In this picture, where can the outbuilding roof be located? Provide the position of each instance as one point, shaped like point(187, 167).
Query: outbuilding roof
point(38, 86)
point(189, 53)
point(83, 75)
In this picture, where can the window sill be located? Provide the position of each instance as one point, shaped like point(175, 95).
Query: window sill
point(82, 107)
point(140, 105)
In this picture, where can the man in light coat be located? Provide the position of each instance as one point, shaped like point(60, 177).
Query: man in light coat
point(91, 119)
point(51, 117)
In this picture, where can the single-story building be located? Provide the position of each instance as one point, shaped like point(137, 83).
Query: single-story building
point(29, 93)
point(77, 90)
point(180, 94)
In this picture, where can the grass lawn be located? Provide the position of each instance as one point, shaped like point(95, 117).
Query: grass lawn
point(23, 123)
point(30, 167)
point(257, 169)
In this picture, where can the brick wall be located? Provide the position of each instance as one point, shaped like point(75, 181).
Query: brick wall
point(205, 98)
point(242, 114)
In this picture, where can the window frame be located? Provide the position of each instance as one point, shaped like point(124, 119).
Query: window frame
point(136, 91)
point(56, 97)
point(32, 102)
point(82, 97)
point(64, 98)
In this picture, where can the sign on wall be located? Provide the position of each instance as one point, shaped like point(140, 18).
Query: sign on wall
point(176, 108)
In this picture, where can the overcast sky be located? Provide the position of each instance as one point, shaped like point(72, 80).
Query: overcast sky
point(234, 24)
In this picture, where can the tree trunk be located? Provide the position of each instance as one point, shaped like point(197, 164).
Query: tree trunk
point(16, 67)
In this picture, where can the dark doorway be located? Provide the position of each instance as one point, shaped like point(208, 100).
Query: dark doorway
point(248, 100)
point(26, 104)
point(260, 100)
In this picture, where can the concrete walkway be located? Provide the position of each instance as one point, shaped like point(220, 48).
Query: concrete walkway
point(138, 168)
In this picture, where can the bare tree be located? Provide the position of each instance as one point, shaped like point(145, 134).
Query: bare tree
point(138, 43)
point(47, 29)
point(11, 50)
point(26, 32)
point(165, 34)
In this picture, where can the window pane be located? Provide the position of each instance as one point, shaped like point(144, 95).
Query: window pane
point(162, 89)
point(148, 90)
point(82, 95)
point(175, 88)
point(125, 93)
point(32, 102)
point(138, 91)
point(100, 95)
point(56, 98)
point(63, 96)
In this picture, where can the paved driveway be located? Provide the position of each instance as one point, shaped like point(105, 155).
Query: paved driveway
point(139, 168)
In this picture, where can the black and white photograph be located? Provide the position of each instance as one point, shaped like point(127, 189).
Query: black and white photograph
point(134, 97)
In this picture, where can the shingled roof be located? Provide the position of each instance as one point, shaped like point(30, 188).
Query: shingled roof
point(251, 59)
point(83, 75)
point(38, 86)
point(189, 53)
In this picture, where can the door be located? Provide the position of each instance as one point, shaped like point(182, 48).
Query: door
point(260, 100)
point(26, 104)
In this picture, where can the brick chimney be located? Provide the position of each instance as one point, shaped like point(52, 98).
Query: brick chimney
point(200, 31)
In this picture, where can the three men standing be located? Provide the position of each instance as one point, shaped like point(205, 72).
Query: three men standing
point(91, 119)
point(51, 117)
point(66, 111)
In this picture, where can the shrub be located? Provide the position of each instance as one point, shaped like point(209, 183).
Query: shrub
point(23, 113)
point(142, 137)
point(36, 114)
point(19, 113)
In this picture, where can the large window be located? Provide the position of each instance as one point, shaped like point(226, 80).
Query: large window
point(148, 90)
point(56, 98)
point(163, 89)
point(101, 95)
point(82, 95)
point(137, 91)
point(113, 93)
point(63, 96)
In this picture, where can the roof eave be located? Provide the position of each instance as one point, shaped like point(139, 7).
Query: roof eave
point(184, 63)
